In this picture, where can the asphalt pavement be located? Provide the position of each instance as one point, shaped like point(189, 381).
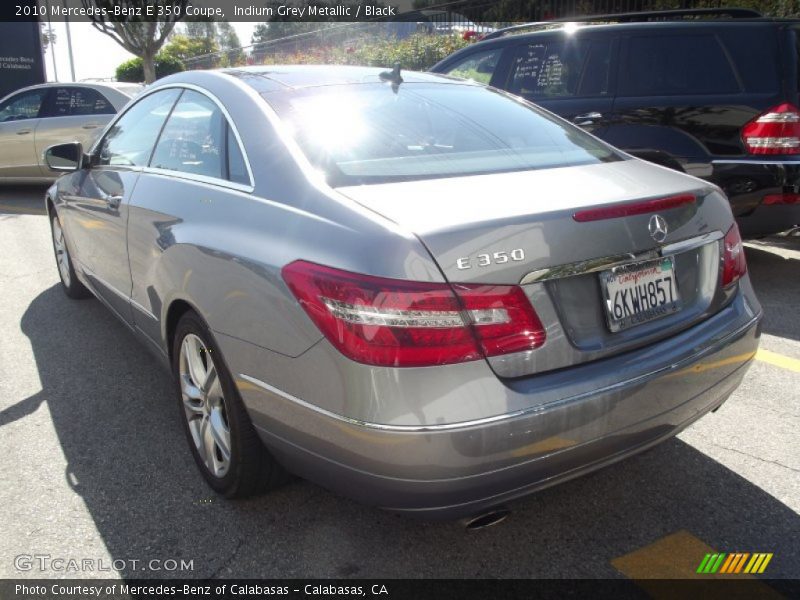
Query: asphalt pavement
point(95, 466)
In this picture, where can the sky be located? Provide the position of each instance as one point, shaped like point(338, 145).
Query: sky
point(95, 54)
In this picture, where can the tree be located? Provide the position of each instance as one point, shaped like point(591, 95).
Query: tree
point(228, 41)
point(137, 36)
point(185, 49)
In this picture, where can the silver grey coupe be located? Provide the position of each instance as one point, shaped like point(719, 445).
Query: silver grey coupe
point(414, 290)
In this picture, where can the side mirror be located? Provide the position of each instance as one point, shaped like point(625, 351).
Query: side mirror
point(64, 157)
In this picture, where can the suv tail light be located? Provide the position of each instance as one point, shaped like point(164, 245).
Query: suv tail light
point(390, 322)
point(734, 264)
point(775, 131)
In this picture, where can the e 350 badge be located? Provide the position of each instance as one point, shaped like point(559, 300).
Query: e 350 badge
point(493, 258)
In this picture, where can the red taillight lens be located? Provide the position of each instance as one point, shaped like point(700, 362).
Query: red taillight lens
point(389, 322)
point(632, 208)
point(785, 198)
point(502, 318)
point(775, 131)
point(734, 264)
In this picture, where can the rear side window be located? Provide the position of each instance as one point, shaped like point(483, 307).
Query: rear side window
point(198, 140)
point(548, 69)
point(75, 101)
point(478, 67)
point(754, 51)
point(677, 65)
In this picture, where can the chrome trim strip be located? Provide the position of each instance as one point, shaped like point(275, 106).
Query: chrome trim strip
point(505, 416)
point(603, 263)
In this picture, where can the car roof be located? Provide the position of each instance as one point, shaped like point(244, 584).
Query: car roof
point(273, 78)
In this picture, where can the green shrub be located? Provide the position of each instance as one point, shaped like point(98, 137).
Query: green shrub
point(414, 53)
point(133, 70)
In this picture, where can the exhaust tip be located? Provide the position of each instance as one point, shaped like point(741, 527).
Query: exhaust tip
point(487, 519)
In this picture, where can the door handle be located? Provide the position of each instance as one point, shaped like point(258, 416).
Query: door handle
point(24, 131)
point(587, 119)
point(113, 201)
point(91, 126)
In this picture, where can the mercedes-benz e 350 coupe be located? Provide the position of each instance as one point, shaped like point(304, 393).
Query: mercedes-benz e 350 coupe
point(414, 290)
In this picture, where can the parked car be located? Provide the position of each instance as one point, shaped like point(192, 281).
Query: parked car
point(717, 99)
point(417, 291)
point(37, 117)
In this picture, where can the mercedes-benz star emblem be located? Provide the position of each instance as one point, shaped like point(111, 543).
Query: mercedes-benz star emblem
point(658, 228)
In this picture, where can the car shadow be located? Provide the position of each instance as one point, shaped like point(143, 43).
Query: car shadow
point(776, 280)
point(22, 200)
point(117, 422)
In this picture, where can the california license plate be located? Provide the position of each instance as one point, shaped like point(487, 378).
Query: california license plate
point(639, 292)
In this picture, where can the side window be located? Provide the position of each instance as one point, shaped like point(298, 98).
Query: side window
point(676, 65)
point(130, 140)
point(193, 140)
point(76, 101)
point(478, 67)
point(548, 69)
point(22, 106)
point(237, 169)
point(594, 81)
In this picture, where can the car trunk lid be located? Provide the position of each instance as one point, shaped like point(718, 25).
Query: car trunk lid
point(520, 227)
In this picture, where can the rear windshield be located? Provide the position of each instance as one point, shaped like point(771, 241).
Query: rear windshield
point(370, 133)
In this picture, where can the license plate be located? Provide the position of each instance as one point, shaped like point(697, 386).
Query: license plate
point(639, 292)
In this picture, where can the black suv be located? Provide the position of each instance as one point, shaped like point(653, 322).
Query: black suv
point(716, 99)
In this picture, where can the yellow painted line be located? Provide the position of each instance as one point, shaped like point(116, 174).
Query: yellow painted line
point(702, 367)
point(779, 360)
point(676, 556)
point(763, 565)
point(22, 210)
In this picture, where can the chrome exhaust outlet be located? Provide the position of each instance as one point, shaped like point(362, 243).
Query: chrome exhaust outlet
point(491, 517)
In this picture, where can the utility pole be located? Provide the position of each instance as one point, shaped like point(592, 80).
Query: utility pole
point(52, 40)
point(69, 43)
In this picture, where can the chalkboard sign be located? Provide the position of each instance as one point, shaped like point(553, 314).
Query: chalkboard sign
point(21, 60)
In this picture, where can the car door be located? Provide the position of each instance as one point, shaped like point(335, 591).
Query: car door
point(19, 116)
point(568, 74)
point(197, 161)
point(680, 101)
point(97, 211)
point(71, 114)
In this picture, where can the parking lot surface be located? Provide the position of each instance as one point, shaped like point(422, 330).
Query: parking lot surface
point(95, 465)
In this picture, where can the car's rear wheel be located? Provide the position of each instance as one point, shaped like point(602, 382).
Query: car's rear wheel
point(221, 436)
point(70, 283)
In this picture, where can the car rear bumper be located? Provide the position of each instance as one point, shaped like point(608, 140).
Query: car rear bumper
point(747, 182)
point(451, 470)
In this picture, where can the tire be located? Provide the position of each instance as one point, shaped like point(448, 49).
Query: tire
point(70, 283)
point(213, 416)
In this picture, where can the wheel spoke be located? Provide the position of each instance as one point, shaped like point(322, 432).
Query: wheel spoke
point(194, 360)
point(190, 390)
point(201, 439)
point(208, 452)
point(221, 434)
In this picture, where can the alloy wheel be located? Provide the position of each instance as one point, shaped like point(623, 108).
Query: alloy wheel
point(204, 405)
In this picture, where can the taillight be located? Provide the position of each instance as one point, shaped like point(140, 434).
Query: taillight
point(616, 211)
point(784, 198)
point(734, 264)
point(391, 322)
point(775, 131)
